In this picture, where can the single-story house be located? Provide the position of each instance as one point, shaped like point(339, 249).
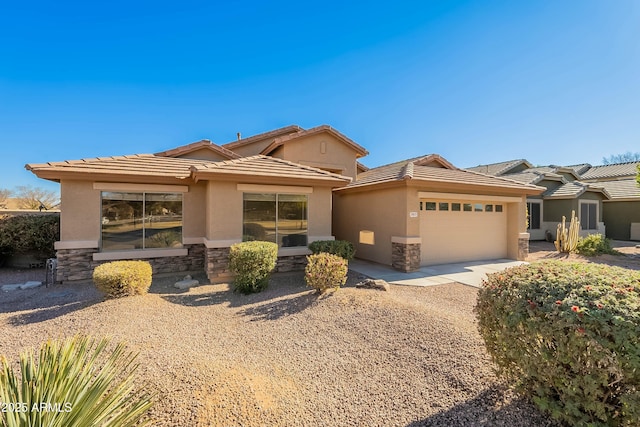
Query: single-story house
point(621, 212)
point(181, 209)
point(425, 211)
point(565, 192)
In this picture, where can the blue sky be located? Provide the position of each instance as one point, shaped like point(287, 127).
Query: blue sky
point(475, 81)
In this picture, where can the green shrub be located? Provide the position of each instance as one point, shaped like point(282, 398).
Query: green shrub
point(568, 336)
point(79, 383)
point(252, 264)
point(342, 248)
point(595, 244)
point(123, 278)
point(325, 271)
point(21, 234)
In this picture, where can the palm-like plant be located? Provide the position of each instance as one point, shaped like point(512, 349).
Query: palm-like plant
point(77, 382)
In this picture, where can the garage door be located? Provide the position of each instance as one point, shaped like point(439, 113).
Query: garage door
point(458, 230)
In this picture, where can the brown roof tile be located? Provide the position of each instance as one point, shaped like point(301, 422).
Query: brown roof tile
point(626, 189)
point(500, 168)
point(572, 190)
point(262, 136)
point(318, 129)
point(618, 170)
point(205, 143)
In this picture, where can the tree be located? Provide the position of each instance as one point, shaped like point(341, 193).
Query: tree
point(638, 177)
point(4, 195)
point(621, 158)
point(35, 197)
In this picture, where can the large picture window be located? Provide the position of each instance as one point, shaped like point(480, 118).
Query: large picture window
point(278, 218)
point(141, 221)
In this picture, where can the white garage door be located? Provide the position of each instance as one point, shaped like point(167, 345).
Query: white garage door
point(456, 231)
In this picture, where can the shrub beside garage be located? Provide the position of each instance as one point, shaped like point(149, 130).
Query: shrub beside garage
point(568, 336)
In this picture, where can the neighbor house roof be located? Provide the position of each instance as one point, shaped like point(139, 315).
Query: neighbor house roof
point(533, 176)
point(500, 168)
point(572, 190)
point(199, 145)
point(414, 169)
point(618, 170)
point(277, 142)
point(581, 168)
point(624, 189)
point(265, 166)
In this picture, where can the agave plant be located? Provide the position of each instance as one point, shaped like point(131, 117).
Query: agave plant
point(77, 382)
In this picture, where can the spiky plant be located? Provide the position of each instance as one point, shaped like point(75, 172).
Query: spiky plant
point(77, 382)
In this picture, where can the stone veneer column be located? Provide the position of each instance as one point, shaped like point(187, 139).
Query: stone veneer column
point(217, 264)
point(405, 253)
point(523, 246)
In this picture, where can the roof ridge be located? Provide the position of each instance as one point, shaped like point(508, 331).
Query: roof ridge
point(407, 171)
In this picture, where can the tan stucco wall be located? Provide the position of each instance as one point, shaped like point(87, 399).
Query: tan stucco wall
point(383, 211)
point(516, 224)
point(323, 151)
point(80, 207)
point(194, 211)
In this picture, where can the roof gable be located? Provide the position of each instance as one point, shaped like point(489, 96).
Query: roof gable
point(262, 137)
point(573, 190)
point(277, 142)
point(195, 150)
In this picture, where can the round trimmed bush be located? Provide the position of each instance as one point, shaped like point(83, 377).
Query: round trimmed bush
point(568, 336)
point(325, 271)
point(252, 264)
point(123, 278)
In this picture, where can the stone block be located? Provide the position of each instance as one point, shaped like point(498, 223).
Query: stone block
point(186, 284)
point(12, 287)
point(377, 284)
point(30, 285)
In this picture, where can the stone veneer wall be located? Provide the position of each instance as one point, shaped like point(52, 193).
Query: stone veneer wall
point(217, 264)
point(523, 248)
point(291, 263)
point(405, 257)
point(78, 264)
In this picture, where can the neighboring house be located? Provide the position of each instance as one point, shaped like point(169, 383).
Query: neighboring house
point(605, 198)
point(425, 211)
point(182, 209)
point(621, 213)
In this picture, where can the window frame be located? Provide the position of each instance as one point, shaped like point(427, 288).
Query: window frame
point(585, 224)
point(529, 214)
point(276, 201)
point(143, 195)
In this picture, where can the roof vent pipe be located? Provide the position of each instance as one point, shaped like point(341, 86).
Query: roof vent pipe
point(239, 135)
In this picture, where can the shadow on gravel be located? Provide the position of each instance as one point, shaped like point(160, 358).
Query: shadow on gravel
point(42, 304)
point(487, 410)
point(286, 295)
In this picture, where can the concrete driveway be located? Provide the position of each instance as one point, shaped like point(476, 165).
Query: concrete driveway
point(468, 273)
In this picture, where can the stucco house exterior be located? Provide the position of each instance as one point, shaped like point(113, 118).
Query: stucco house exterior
point(181, 209)
point(621, 212)
point(565, 191)
point(606, 198)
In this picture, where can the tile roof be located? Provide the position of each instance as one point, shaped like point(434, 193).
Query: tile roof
point(617, 170)
point(132, 165)
point(194, 146)
point(621, 189)
point(572, 190)
point(410, 169)
point(581, 168)
point(360, 150)
point(531, 176)
point(148, 165)
point(262, 136)
point(266, 166)
point(500, 168)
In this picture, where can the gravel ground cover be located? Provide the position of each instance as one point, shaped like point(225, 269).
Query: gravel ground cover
point(283, 357)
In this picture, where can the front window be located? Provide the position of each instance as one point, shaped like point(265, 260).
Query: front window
point(278, 218)
point(141, 221)
point(588, 215)
point(533, 215)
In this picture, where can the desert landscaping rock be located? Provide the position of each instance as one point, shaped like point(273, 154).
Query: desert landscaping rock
point(30, 285)
point(376, 284)
point(11, 287)
point(186, 284)
point(287, 356)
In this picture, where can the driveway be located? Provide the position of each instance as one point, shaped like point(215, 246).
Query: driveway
point(467, 273)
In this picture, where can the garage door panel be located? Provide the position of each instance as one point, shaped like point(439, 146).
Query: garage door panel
point(451, 236)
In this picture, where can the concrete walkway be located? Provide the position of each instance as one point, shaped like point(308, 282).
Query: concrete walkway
point(468, 273)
